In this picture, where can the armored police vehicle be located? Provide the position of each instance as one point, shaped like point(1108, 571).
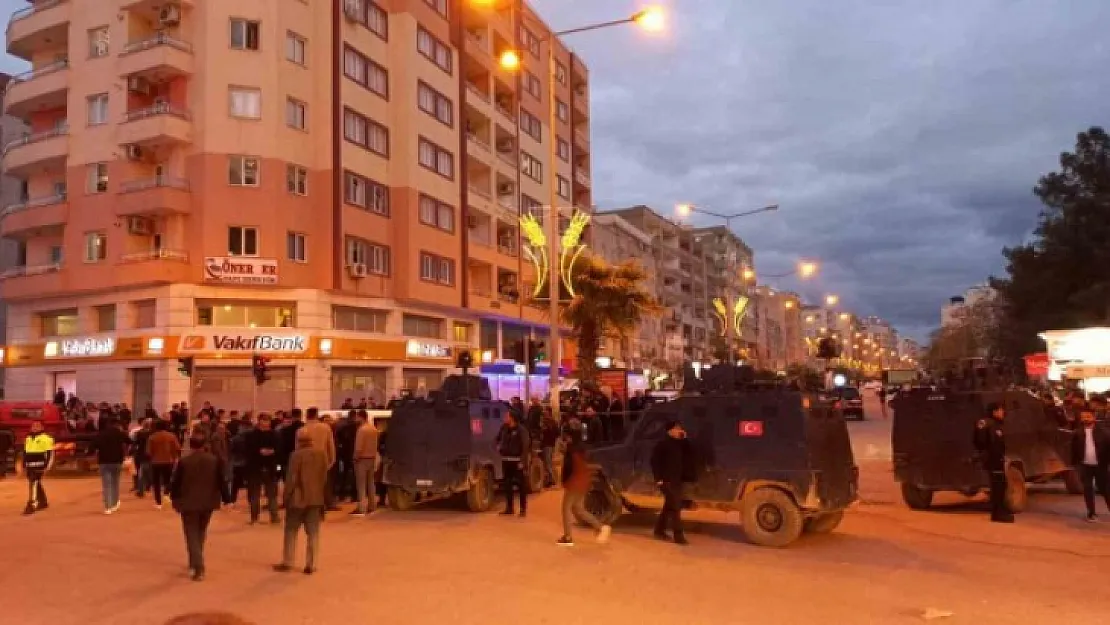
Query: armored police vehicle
point(933, 450)
point(779, 456)
point(445, 445)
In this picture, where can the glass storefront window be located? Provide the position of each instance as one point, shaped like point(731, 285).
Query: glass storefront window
point(359, 319)
point(487, 335)
point(462, 332)
point(424, 327)
point(245, 315)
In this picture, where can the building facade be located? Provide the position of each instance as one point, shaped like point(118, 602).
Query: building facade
point(616, 241)
point(337, 189)
point(13, 198)
point(956, 308)
point(883, 340)
point(727, 261)
point(775, 319)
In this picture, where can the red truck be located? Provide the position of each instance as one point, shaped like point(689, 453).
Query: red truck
point(71, 449)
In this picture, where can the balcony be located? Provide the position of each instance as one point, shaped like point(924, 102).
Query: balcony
point(156, 59)
point(156, 267)
point(42, 88)
point(581, 177)
point(161, 123)
point(157, 196)
point(479, 147)
point(42, 24)
point(36, 217)
point(582, 140)
point(152, 6)
point(475, 96)
point(31, 281)
point(40, 151)
point(581, 102)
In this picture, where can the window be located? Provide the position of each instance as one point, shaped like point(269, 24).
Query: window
point(531, 167)
point(531, 125)
point(295, 114)
point(143, 312)
point(562, 148)
point(561, 110)
point(440, 6)
point(59, 322)
point(98, 42)
point(531, 206)
point(98, 178)
point(437, 214)
point(435, 50)
point(463, 332)
point(296, 179)
point(423, 327)
point(358, 319)
point(244, 34)
point(530, 41)
point(245, 314)
point(96, 247)
point(374, 256)
point(437, 269)
point(560, 73)
point(364, 193)
point(532, 84)
point(98, 109)
point(295, 247)
point(242, 241)
point(245, 102)
point(365, 132)
point(373, 17)
point(436, 159)
point(106, 318)
point(294, 48)
point(242, 171)
point(365, 72)
point(435, 103)
point(55, 255)
point(563, 187)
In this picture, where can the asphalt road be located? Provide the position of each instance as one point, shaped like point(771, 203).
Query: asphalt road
point(884, 565)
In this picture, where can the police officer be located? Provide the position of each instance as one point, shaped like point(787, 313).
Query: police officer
point(38, 456)
point(990, 442)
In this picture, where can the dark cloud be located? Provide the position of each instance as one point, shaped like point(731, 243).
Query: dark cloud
point(902, 139)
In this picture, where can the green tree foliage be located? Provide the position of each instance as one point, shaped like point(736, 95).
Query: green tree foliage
point(1061, 278)
point(610, 302)
point(973, 335)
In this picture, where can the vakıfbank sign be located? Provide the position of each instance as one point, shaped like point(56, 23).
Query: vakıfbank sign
point(242, 343)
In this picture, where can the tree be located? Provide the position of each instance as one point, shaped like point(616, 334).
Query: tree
point(1061, 278)
point(609, 302)
point(972, 335)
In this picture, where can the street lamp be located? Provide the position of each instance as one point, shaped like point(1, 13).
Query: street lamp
point(804, 269)
point(832, 300)
point(650, 19)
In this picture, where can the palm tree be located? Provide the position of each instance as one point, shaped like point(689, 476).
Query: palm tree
point(609, 302)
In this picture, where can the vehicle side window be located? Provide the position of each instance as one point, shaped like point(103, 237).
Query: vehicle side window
point(653, 427)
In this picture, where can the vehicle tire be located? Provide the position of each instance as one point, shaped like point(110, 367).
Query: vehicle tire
point(603, 502)
point(916, 498)
point(399, 499)
point(480, 496)
point(770, 518)
point(1072, 483)
point(1016, 493)
point(535, 475)
point(824, 523)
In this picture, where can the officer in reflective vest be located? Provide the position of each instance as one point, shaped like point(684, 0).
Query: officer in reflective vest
point(38, 456)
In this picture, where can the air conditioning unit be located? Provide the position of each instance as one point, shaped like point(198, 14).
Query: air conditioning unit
point(140, 226)
point(357, 270)
point(134, 153)
point(352, 9)
point(138, 85)
point(505, 145)
point(505, 188)
point(170, 15)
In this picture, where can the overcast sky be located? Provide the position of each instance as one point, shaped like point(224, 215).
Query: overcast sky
point(901, 137)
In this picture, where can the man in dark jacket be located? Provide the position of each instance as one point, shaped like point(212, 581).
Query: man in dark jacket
point(990, 442)
point(140, 457)
point(1090, 453)
point(199, 485)
point(111, 446)
point(288, 433)
point(671, 463)
point(261, 448)
point(514, 446)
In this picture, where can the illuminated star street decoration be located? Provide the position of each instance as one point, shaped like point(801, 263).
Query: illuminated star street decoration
point(739, 311)
point(536, 249)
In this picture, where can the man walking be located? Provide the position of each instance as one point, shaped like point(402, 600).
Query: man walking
point(163, 450)
point(365, 455)
point(990, 442)
point(323, 440)
point(671, 464)
point(514, 446)
point(140, 458)
point(111, 448)
point(198, 486)
point(305, 483)
point(261, 446)
point(38, 457)
point(576, 483)
point(1090, 451)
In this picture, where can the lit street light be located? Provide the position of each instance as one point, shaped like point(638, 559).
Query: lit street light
point(804, 269)
point(832, 300)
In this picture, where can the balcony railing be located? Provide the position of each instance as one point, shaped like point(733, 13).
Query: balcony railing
point(480, 192)
point(482, 143)
point(478, 41)
point(476, 236)
point(508, 249)
point(509, 158)
point(504, 111)
point(157, 182)
point(28, 11)
point(48, 200)
point(477, 91)
point(480, 291)
point(31, 270)
point(37, 72)
point(161, 254)
point(35, 137)
point(582, 177)
point(507, 202)
point(160, 39)
point(161, 108)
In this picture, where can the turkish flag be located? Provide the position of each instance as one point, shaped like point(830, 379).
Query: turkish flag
point(475, 426)
point(751, 428)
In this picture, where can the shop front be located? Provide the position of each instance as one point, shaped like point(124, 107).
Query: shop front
point(357, 384)
point(234, 388)
point(380, 369)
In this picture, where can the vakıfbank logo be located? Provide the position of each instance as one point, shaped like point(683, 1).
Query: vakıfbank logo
point(272, 343)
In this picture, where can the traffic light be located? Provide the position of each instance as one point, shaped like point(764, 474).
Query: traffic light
point(535, 351)
point(464, 360)
point(258, 365)
point(185, 366)
point(516, 351)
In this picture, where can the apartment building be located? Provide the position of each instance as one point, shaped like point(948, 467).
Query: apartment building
point(13, 197)
point(775, 319)
point(617, 241)
point(957, 308)
point(883, 340)
point(331, 185)
point(822, 322)
point(726, 259)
